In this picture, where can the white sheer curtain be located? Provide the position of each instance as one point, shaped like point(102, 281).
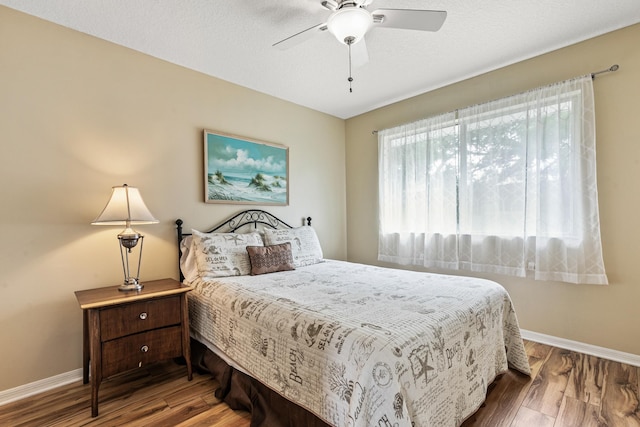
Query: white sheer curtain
point(417, 187)
point(509, 187)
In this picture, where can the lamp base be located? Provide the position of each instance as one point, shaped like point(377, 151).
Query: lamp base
point(127, 288)
point(131, 284)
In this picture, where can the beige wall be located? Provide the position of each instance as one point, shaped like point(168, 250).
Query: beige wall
point(605, 316)
point(79, 115)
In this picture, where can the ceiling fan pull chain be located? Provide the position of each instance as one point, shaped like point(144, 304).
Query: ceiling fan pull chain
point(349, 41)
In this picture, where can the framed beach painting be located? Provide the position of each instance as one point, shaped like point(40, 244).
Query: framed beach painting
point(242, 170)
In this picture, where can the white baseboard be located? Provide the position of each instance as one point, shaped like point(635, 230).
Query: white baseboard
point(40, 386)
point(593, 350)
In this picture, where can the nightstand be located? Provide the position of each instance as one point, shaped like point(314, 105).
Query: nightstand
point(128, 330)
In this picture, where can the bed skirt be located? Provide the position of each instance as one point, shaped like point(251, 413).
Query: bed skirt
point(240, 391)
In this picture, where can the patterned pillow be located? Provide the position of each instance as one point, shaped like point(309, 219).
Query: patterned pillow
point(269, 259)
point(224, 254)
point(304, 244)
point(188, 262)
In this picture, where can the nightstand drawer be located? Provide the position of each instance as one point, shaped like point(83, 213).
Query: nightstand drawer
point(123, 320)
point(141, 349)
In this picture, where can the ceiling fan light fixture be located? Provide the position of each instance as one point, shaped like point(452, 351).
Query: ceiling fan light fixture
point(347, 23)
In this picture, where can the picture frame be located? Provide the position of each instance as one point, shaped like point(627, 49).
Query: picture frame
point(239, 170)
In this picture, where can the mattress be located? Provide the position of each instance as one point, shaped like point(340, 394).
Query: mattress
point(359, 345)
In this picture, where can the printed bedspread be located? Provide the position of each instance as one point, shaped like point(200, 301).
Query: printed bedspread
point(359, 345)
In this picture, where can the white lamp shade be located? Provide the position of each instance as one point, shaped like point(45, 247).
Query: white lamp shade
point(125, 207)
point(350, 22)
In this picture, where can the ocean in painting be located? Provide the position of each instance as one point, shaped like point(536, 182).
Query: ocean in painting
point(260, 188)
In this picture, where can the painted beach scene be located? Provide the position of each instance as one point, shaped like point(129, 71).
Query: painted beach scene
point(238, 170)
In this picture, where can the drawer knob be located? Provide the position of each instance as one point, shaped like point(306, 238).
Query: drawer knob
point(144, 348)
point(143, 315)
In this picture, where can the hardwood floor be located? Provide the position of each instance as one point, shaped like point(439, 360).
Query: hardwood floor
point(159, 395)
point(566, 389)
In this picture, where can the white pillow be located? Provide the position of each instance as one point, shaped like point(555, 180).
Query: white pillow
point(305, 245)
point(224, 254)
point(188, 263)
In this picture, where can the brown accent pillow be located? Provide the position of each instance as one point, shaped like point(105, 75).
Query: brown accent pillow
point(269, 259)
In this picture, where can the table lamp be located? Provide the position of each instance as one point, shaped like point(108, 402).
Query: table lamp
point(126, 207)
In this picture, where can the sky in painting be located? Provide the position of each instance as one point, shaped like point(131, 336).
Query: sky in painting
point(235, 156)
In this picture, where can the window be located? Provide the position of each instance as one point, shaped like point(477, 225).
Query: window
point(505, 187)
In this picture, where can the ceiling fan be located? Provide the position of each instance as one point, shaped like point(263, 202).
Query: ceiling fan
point(351, 20)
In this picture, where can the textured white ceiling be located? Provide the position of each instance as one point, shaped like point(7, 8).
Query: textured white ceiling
point(232, 40)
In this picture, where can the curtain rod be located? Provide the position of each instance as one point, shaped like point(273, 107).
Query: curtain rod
point(614, 67)
point(611, 69)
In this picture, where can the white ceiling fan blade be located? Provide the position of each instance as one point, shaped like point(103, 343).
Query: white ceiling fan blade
point(300, 37)
point(330, 4)
point(359, 54)
point(410, 19)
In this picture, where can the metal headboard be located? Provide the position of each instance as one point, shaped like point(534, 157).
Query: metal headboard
point(235, 223)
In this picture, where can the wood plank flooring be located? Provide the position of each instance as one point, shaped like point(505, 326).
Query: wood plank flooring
point(567, 389)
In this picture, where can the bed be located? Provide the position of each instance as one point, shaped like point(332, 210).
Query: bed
point(297, 339)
